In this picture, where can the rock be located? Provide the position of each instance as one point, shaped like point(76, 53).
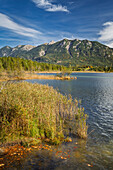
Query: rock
point(52, 42)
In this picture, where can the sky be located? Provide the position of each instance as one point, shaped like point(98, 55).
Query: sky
point(36, 22)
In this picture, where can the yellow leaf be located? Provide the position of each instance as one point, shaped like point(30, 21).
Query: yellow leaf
point(1, 165)
point(89, 165)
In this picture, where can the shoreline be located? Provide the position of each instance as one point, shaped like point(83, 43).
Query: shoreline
point(35, 76)
point(71, 72)
point(34, 117)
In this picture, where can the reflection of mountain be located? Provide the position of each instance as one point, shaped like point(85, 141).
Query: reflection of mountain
point(65, 52)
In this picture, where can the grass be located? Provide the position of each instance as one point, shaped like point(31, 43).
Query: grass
point(38, 111)
point(65, 75)
point(4, 76)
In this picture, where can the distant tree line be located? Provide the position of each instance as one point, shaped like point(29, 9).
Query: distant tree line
point(20, 64)
point(93, 68)
point(15, 64)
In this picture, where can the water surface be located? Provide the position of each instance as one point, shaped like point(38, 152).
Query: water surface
point(95, 90)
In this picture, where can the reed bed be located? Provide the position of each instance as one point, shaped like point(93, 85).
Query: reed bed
point(39, 111)
point(4, 76)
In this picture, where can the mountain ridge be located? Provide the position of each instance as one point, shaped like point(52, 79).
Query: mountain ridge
point(65, 52)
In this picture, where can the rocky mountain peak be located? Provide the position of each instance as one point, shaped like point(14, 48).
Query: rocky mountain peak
point(7, 47)
point(18, 46)
point(28, 47)
point(51, 42)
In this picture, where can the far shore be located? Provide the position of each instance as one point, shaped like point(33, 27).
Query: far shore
point(67, 72)
point(34, 75)
point(71, 72)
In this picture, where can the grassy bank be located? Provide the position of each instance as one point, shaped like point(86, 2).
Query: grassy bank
point(38, 111)
point(4, 76)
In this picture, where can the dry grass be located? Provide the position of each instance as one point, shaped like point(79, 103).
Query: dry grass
point(33, 110)
point(25, 75)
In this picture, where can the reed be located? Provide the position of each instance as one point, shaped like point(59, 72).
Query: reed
point(39, 111)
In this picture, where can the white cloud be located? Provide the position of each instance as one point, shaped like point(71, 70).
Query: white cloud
point(107, 33)
point(31, 36)
point(7, 22)
point(110, 44)
point(48, 6)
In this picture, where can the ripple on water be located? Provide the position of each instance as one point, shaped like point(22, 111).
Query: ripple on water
point(96, 93)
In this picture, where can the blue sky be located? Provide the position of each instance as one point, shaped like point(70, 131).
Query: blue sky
point(39, 21)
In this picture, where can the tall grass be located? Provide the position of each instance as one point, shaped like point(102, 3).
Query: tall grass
point(34, 110)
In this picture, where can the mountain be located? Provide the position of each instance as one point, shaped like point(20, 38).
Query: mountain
point(16, 51)
point(66, 52)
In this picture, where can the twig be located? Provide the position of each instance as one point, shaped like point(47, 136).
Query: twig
point(91, 132)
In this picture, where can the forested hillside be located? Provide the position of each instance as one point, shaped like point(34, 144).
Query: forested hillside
point(20, 64)
point(12, 64)
point(66, 52)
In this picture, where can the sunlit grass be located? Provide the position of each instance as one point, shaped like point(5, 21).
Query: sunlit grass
point(39, 111)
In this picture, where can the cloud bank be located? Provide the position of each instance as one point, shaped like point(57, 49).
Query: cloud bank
point(7, 23)
point(48, 6)
point(106, 34)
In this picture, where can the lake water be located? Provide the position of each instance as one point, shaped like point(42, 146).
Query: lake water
point(95, 90)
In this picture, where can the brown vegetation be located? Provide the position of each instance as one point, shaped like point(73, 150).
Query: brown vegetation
point(33, 110)
point(25, 75)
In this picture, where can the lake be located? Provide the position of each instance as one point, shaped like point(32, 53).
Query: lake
point(95, 90)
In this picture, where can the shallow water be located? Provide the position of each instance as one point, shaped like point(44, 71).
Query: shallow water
point(95, 90)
